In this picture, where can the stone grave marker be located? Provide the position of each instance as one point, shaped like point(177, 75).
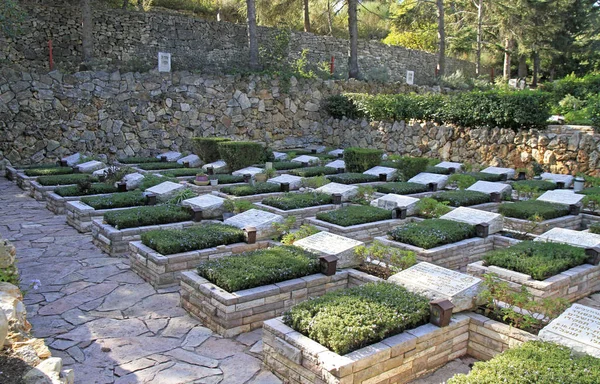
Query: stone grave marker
point(562, 196)
point(337, 164)
point(571, 237)
point(261, 220)
point(577, 328)
point(72, 160)
point(248, 171)
point(100, 172)
point(294, 181)
point(336, 152)
point(509, 172)
point(449, 165)
point(171, 156)
point(317, 148)
point(325, 243)
point(164, 62)
point(164, 191)
point(211, 205)
point(306, 159)
point(475, 216)
point(391, 201)
point(440, 283)
point(218, 165)
point(133, 180)
point(193, 160)
point(376, 171)
point(426, 178)
point(90, 166)
point(279, 155)
point(567, 180)
point(347, 191)
point(490, 187)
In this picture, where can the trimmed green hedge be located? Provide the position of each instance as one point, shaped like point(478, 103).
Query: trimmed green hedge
point(241, 154)
point(65, 179)
point(159, 166)
point(298, 200)
point(411, 166)
point(538, 259)
point(432, 233)
point(591, 191)
point(313, 171)
point(207, 147)
point(353, 318)
point(482, 176)
point(138, 160)
point(285, 165)
point(144, 216)
point(95, 189)
point(226, 179)
point(48, 171)
point(172, 241)
point(353, 178)
point(182, 172)
point(527, 209)
point(462, 198)
point(355, 214)
point(540, 185)
point(534, 362)
point(437, 170)
point(361, 159)
point(117, 200)
point(403, 188)
point(247, 190)
point(259, 268)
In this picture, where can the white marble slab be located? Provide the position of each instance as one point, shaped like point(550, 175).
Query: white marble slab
point(211, 205)
point(306, 159)
point(337, 164)
point(261, 220)
point(194, 161)
point(90, 166)
point(475, 216)
point(347, 191)
point(164, 191)
point(218, 165)
point(101, 172)
point(577, 328)
point(330, 244)
point(562, 196)
point(279, 155)
point(558, 178)
point(317, 148)
point(571, 237)
point(449, 165)
point(391, 201)
point(509, 172)
point(376, 171)
point(73, 159)
point(248, 171)
point(294, 181)
point(133, 180)
point(490, 187)
point(336, 152)
point(426, 178)
point(171, 156)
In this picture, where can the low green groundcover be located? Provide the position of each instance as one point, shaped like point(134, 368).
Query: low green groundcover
point(462, 198)
point(248, 190)
point(258, 268)
point(354, 318)
point(353, 178)
point(138, 160)
point(227, 179)
point(438, 170)
point(595, 228)
point(432, 233)
point(117, 200)
point(49, 170)
point(591, 191)
point(534, 362)
point(285, 165)
point(95, 189)
point(313, 171)
point(401, 188)
point(150, 181)
point(65, 179)
point(527, 209)
point(298, 200)
point(540, 185)
point(538, 259)
point(160, 165)
point(144, 216)
point(482, 176)
point(182, 172)
point(355, 214)
point(171, 241)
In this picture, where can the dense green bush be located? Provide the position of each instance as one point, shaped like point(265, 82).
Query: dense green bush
point(432, 233)
point(65, 179)
point(340, 106)
point(401, 188)
point(353, 318)
point(241, 154)
point(438, 170)
point(595, 228)
point(361, 159)
point(355, 214)
point(579, 87)
point(534, 362)
point(182, 172)
point(462, 198)
point(226, 179)
point(150, 181)
point(49, 170)
point(352, 178)
point(298, 200)
point(538, 259)
point(527, 209)
point(258, 268)
point(285, 165)
point(247, 190)
point(171, 241)
point(95, 189)
point(534, 185)
point(410, 167)
point(138, 160)
point(144, 216)
point(207, 147)
point(591, 191)
point(313, 171)
point(594, 111)
point(159, 166)
point(482, 176)
point(461, 181)
point(117, 200)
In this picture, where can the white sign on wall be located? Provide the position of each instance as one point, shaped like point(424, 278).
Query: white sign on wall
point(410, 77)
point(164, 62)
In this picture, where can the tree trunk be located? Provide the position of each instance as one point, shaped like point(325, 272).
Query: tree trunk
point(522, 72)
point(536, 68)
point(507, 47)
point(479, 37)
point(441, 65)
point(329, 19)
point(353, 71)
point(125, 2)
point(140, 5)
point(306, 17)
point(87, 41)
point(252, 37)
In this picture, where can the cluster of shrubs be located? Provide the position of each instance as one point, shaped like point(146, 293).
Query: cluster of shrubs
point(432, 233)
point(533, 208)
point(401, 188)
point(483, 176)
point(182, 172)
point(48, 171)
point(353, 178)
point(65, 179)
point(361, 159)
point(94, 189)
point(236, 154)
point(576, 98)
point(118, 200)
point(534, 185)
point(159, 166)
point(144, 216)
point(462, 198)
point(298, 200)
point(354, 215)
point(312, 171)
point(171, 241)
point(285, 165)
point(248, 190)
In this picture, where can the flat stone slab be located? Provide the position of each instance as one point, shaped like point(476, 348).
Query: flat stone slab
point(376, 171)
point(336, 164)
point(440, 283)
point(509, 172)
point(392, 201)
point(347, 191)
point(336, 152)
point(171, 156)
point(194, 161)
point(211, 205)
point(426, 178)
point(164, 191)
point(317, 148)
point(248, 171)
point(279, 155)
point(261, 220)
point(558, 178)
point(294, 181)
point(90, 166)
point(449, 165)
point(571, 237)
point(577, 328)
point(475, 216)
point(562, 196)
point(133, 180)
point(101, 172)
point(73, 159)
point(325, 243)
point(306, 159)
point(490, 187)
point(217, 165)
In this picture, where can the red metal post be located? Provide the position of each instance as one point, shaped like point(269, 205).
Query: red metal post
point(50, 55)
point(492, 74)
point(332, 65)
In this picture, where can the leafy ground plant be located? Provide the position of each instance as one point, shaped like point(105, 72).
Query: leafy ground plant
point(144, 216)
point(355, 214)
point(94, 189)
point(248, 190)
point(171, 241)
point(526, 209)
point(401, 188)
point(430, 208)
point(305, 230)
point(462, 198)
point(117, 200)
point(384, 261)
point(432, 233)
point(290, 201)
point(353, 178)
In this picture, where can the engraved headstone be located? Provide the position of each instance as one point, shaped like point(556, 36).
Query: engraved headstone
point(72, 160)
point(490, 187)
point(164, 191)
point(101, 172)
point(376, 171)
point(248, 171)
point(391, 201)
point(336, 152)
point(577, 328)
point(571, 237)
point(261, 220)
point(325, 243)
point(449, 165)
point(475, 216)
point(90, 166)
point(426, 178)
point(567, 180)
point(294, 181)
point(211, 205)
point(279, 155)
point(317, 148)
point(306, 159)
point(164, 62)
point(133, 180)
point(347, 191)
point(561, 196)
point(171, 155)
point(509, 172)
point(193, 160)
point(410, 77)
point(218, 165)
point(337, 164)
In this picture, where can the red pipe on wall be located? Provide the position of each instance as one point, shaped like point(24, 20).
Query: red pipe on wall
point(51, 60)
point(332, 65)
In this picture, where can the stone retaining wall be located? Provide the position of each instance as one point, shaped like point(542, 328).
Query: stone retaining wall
point(567, 222)
point(361, 232)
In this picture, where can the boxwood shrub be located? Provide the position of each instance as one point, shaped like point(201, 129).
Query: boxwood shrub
point(313, 171)
point(181, 172)
point(227, 179)
point(538, 259)
point(171, 241)
point(401, 188)
point(159, 166)
point(207, 147)
point(482, 176)
point(241, 154)
point(49, 170)
point(462, 198)
point(144, 216)
point(247, 190)
point(540, 185)
point(432, 233)
point(138, 160)
point(258, 268)
point(355, 214)
point(352, 178)
point(595, 228)
point(117, 200)
point(353, 318)
point(95, 189)
point(298, 200)
point(438, 170)
point(534, 362)
point(361, 159)
point(411, 166)
point(527, 209)
point(65, 179)
point(285, 165)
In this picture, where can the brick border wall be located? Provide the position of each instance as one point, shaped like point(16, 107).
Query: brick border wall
point(81, 215)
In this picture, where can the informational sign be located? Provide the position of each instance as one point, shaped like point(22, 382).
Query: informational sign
point(164, 62)
point(410, 77)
